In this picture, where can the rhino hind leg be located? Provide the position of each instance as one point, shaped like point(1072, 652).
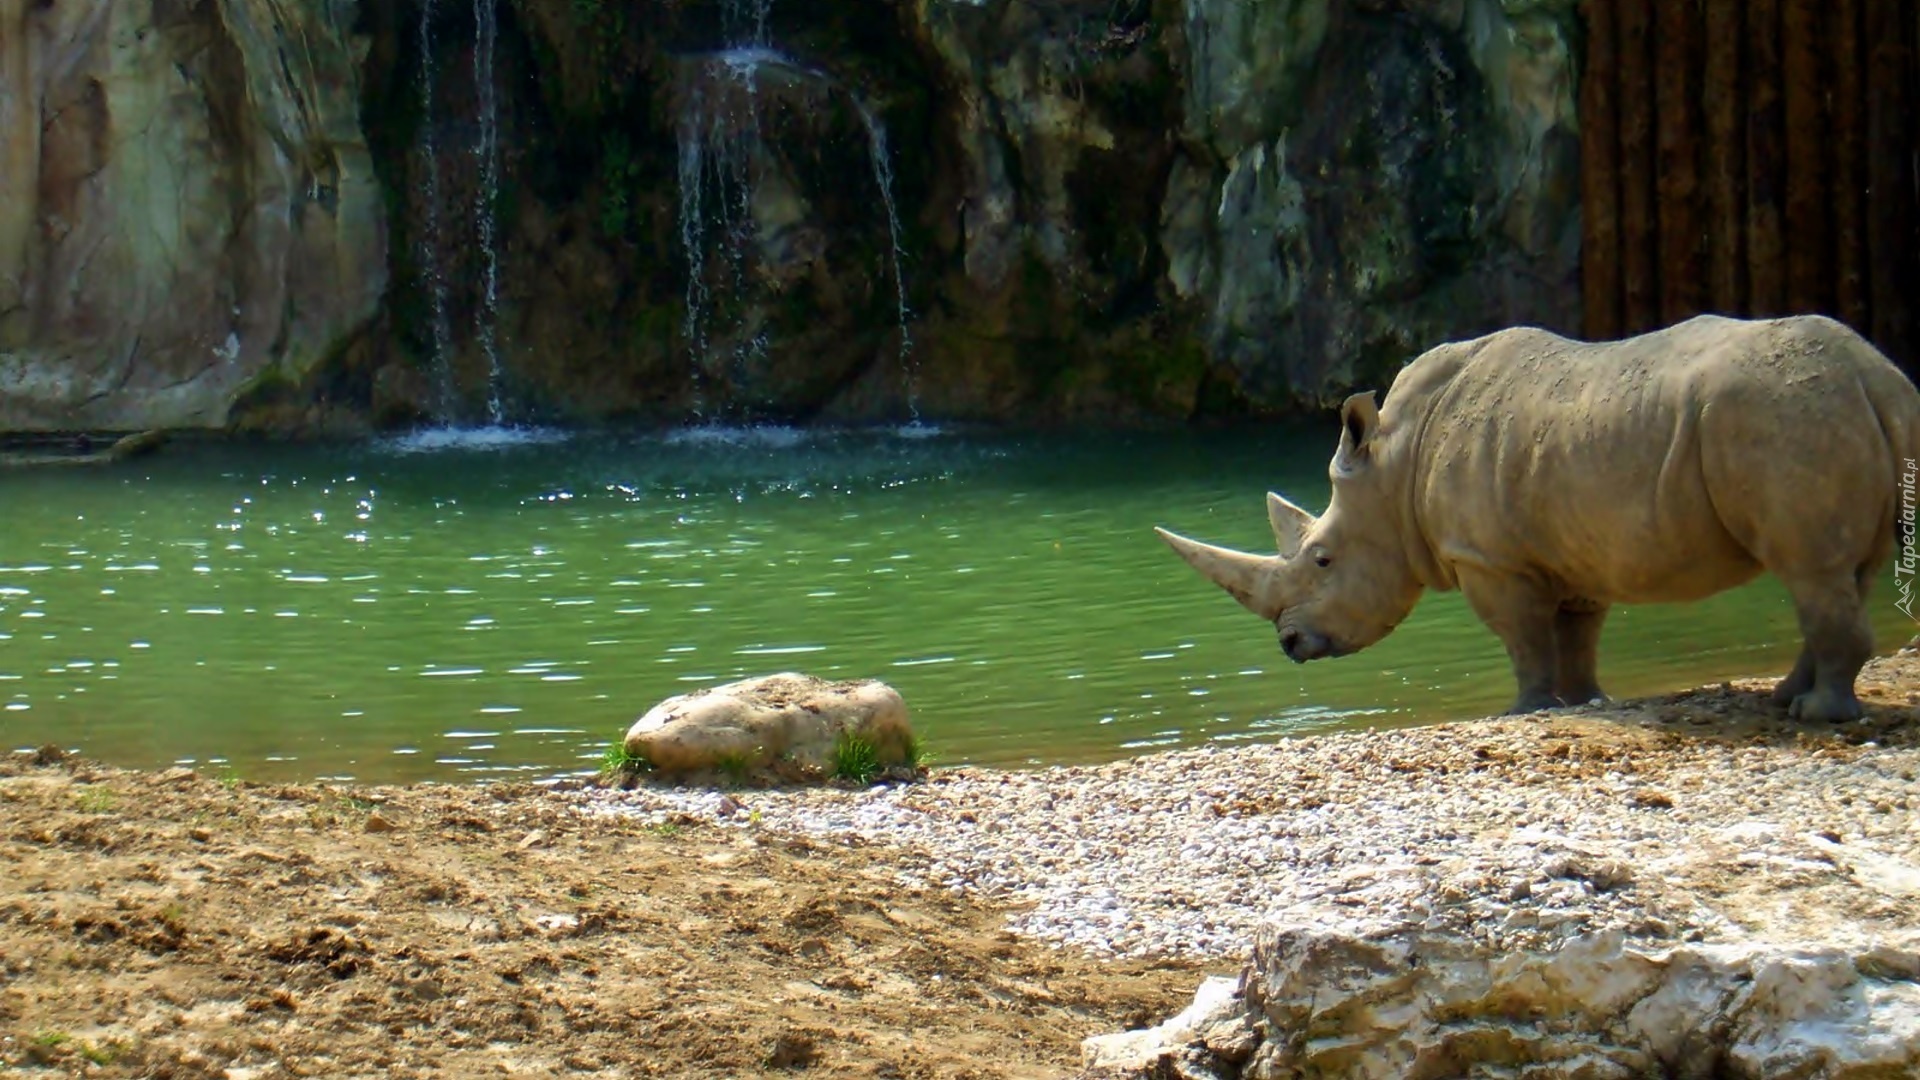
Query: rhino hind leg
point(1839, 639)
point(1576, 640)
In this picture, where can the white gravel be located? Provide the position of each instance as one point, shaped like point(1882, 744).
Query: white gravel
point(1648, 818)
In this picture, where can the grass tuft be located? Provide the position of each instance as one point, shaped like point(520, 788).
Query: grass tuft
point(616, 762)
point(855, 758)
point(95, 799)
point(918, 755)
point(735, 767)
point(103, 1053)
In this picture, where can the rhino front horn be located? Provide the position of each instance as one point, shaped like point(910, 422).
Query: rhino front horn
point(1246, 578)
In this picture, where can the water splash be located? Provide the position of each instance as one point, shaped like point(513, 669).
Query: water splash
point(764, 436)
point(441, 361)
point(486, 34)
point(436, 440)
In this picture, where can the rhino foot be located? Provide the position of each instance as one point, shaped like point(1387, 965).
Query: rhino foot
point(1832, 706)
point(1584, 696)
point(1534, 702)
point(1797, 682)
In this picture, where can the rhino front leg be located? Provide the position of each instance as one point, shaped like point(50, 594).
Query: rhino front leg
point(1576, 638)
point(1839, 639)
point(1797, 682)
point(1522, 616)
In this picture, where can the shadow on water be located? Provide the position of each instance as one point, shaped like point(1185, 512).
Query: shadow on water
point(504, 602)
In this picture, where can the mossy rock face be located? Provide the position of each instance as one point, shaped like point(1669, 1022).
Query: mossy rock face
point(1398, 178)
point(1151, 210)
point(1142, 209)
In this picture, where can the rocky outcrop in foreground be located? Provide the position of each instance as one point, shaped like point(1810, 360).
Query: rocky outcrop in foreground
point(1371, 998)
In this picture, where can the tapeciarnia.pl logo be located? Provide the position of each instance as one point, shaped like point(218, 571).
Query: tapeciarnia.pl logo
point(1909, 560)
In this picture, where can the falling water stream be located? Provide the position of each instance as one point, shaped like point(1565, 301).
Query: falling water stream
point(432, 242)
point(486, 34)
point(719, 142)
point(721, 145)
point(744, 22)
point(883, 173)
point(441, 363)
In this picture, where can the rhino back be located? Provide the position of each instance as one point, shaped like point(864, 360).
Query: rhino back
point(1663, 467)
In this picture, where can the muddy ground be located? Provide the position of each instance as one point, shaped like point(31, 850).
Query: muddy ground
point(172, 925)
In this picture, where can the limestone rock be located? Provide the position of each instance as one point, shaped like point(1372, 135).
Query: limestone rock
point(402, 395)
point(1209, 1038)
point(786, 723)
point(1390, 999)
point(190, 208)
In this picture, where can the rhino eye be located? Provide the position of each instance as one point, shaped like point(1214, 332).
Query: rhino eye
point(1323, 561)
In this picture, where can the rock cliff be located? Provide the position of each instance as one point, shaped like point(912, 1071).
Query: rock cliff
point(188, 209)
point(992, 209)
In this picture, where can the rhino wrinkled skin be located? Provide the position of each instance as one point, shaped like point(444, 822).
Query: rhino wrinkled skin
point(1550, 479)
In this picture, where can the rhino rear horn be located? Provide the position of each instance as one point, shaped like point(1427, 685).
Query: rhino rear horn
point(1290, 524)
point(1247, 578)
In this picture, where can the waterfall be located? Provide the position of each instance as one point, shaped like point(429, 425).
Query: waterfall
point(693, 240)
point(883, 175)
point(744, 22)
point(486, 34)
point(429, 245)
point(719, 141)
point(720, 145)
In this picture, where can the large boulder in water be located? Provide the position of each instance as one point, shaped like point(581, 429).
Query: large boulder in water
point(787, 724)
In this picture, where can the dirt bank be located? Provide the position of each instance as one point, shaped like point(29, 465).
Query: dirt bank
point(171, 925)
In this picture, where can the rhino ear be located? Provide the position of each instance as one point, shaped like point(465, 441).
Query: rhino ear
point(1359, 423)
point(1290, 524)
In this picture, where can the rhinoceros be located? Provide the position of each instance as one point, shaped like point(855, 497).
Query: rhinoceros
point(1549, 479)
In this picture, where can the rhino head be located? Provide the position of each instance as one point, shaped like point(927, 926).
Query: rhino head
point(1341, 581)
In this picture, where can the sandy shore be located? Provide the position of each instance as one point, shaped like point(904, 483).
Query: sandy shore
point(975, 925)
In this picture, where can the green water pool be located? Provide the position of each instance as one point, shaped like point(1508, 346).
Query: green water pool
point(474, 607)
